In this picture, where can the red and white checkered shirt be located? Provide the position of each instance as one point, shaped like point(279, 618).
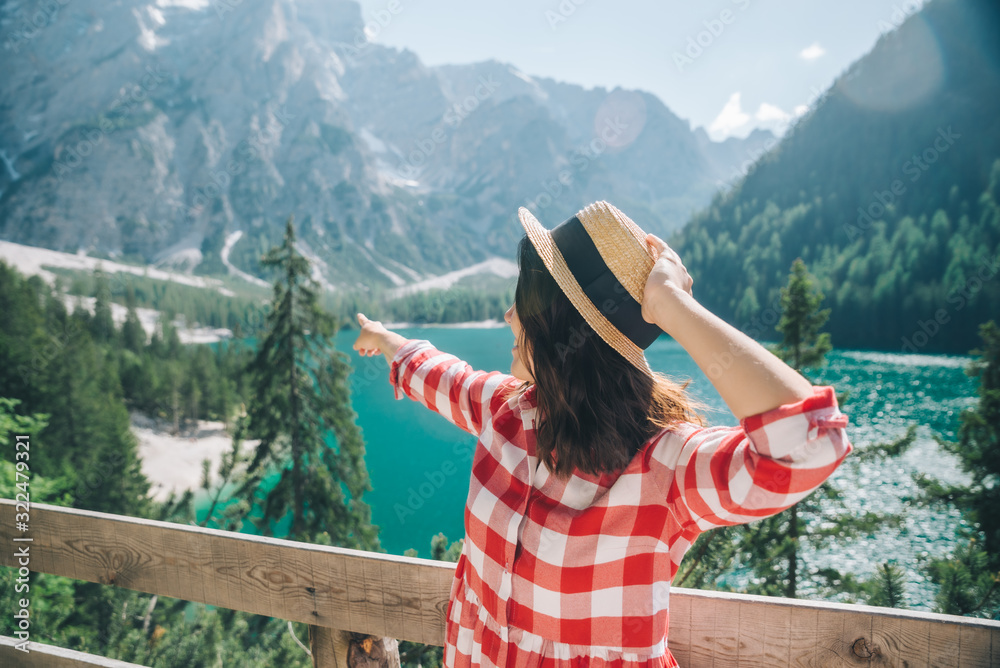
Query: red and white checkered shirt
point(576, 571)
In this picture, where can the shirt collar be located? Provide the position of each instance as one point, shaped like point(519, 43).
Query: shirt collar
point(527, 398)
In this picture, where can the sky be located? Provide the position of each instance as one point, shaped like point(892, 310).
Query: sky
point(726, 65)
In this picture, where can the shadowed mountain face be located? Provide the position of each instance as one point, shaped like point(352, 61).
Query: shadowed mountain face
point(889, 189)
point(158, 129)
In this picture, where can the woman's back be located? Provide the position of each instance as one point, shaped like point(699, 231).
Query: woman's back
point(592, 474)
point(562, 566)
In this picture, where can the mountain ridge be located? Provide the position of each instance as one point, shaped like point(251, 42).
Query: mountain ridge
point(155, 131)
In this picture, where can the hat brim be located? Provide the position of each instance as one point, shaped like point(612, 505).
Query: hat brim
point(553, 260)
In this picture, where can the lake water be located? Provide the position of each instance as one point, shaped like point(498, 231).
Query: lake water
point(419, 463)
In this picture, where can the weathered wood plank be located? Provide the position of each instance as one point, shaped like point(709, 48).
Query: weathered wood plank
point(399, 597)
point(326, 645)
point(415, 621)
point(284, 579)
point(340, 649)
point(814, 641)
point(803, 634)
point(831, 643)
point(777, 632)
point(857, 630)
point(943, 644)
point(726, 645)
point(974, 647)
point(898, 644)
point(392, 594)
point(702, 632)
point(751, 637)
point(679, 629)
point(48, 656)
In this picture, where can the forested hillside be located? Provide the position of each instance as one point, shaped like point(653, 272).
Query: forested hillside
point(86, 374)
point(889, 189)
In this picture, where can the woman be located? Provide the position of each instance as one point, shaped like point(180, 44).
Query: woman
point(593, 474)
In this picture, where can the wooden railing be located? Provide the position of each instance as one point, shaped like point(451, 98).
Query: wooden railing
point(336, 590)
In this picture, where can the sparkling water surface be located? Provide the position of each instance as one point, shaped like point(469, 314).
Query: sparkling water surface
point(419, 463)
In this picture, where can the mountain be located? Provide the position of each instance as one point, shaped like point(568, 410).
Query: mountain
point(184, 132)
point(889, 189)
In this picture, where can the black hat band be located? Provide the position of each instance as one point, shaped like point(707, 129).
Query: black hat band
point(600, 285)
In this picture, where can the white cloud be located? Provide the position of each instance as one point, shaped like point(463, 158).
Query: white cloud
point(731, 118)
point(772, 117)
point(768, 113)
point(733, 121)
point(812, 52)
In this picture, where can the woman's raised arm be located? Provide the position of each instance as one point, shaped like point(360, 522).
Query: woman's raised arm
point(748, 377)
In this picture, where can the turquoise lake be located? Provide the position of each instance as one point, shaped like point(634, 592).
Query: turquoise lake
point(419, 463)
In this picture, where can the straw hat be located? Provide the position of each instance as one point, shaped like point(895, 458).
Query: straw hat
point(600, 259)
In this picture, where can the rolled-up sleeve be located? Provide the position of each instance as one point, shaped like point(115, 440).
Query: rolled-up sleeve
point(719, 476)
point(447, 385)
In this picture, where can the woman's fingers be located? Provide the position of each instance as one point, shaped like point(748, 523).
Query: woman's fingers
point(362, 320)
point(662, 249)
point(370, 335)
point(656, 243)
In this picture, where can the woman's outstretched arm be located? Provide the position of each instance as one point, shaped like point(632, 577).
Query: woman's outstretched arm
point(374, 338)
point(748, 377)
point(441, 382)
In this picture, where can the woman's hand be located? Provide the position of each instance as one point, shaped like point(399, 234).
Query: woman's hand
point(667, 280)
point(748, 377)
point(375, 339)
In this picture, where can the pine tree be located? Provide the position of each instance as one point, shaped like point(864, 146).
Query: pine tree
point(888, 587)
point(970, 579)
point(133, 335)
point(771, 547)
point(802, 345)
point(300, 402)
point(103, 324)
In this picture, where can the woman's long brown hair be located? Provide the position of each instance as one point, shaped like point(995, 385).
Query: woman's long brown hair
point(595, 409)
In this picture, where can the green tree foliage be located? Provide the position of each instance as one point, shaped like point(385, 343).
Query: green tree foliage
point(770, 548)
point(894, 209)
point(102, 325)
point(888, 587)
point(195, 306)
point(227, 513)
point(54, 365)
point(978, 445)
point(300, 412)
point(149, 630)
point(969, 579)
point(802, 345)
point(41, 490)
point(133, 335)
point(69, 382)
point(460, 303)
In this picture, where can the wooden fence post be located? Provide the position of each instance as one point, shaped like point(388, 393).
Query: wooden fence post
point(323, 645)
point(340, 649)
